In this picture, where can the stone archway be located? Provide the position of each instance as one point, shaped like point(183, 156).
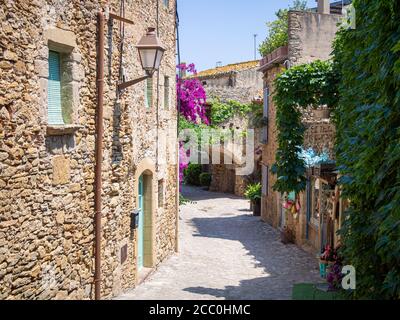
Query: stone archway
point(224, 174)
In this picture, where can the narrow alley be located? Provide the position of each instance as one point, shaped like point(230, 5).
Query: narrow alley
point(226, 253)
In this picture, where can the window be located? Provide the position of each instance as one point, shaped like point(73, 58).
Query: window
point(166, 92)
point(265, 180)
point(54, 106)
point(61, 88)
point(166, 3)
point(265, 114)
point(148, 92)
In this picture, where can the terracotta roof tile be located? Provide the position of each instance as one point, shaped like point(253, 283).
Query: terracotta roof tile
point(227, 69)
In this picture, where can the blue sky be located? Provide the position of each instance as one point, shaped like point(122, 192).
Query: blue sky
point(222, 30)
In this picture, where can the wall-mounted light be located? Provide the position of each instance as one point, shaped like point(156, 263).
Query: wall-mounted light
point(151, 52)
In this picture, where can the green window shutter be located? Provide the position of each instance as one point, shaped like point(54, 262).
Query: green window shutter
point(54, 90)
point(166, 92)
point(149, 92)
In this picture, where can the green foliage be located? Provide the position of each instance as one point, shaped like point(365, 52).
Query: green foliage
point(185, 124)
point(221, 112)
point(278, 29)
point(312, 84)
point(192, 174)
point(368, 146)
point(205, 179)
point(253, 191)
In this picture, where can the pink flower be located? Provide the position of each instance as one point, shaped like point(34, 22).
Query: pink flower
point(191, 96)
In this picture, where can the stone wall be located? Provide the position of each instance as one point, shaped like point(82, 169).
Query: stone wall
point(320, 135)
point(47, 180)
point(242, 86)
point(270, 201)
point(246, 85)
point(311, 35)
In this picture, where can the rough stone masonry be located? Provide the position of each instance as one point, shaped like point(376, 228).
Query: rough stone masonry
point(47, 172)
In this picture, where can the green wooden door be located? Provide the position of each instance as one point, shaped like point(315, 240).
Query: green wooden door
point(141, 225)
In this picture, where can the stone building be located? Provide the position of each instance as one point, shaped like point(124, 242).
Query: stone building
point(239, 82)
point(310, 38)
point(47, 148)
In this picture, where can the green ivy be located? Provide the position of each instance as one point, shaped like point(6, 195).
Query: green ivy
point(223, 111)
point(368, 146)
point(312, 84)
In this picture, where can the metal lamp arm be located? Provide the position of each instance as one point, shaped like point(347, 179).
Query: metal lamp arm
point(127, 84)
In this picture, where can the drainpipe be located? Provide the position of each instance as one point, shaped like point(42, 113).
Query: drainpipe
point(99, 153)
point(177, 135)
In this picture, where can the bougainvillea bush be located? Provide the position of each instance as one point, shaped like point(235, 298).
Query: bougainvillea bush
point(191, 95)
point(183, 160)
point(191, 102)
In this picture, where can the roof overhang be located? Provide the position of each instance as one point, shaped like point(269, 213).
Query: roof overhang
point(278, 56)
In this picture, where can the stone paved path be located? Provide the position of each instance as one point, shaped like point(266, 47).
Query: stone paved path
point(226, 253)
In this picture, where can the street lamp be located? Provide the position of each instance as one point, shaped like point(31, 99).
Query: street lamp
point(151, 51)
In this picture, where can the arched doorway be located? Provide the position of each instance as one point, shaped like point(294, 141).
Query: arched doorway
point(140, 237)
point(145, 228)
point(144, 239)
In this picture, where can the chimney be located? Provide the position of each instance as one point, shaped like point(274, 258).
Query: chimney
point(324, 7)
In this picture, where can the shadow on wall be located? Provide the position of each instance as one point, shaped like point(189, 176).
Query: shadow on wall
point(117, 155)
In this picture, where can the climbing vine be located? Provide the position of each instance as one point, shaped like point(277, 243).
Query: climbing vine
point(314, 84)
point(368, 146)
point(223, 111)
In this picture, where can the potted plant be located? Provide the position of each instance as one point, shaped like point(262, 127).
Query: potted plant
point(253, 193)
point(328, 258)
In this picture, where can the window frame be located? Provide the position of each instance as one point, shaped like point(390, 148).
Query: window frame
point(167, 96)
point(54, 117)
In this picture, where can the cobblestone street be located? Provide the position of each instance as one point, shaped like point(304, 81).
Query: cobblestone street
point(226, 253)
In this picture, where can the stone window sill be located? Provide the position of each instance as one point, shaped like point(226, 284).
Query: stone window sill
point(63, 129)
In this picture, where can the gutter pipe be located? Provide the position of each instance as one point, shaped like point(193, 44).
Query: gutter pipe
point(99, 153)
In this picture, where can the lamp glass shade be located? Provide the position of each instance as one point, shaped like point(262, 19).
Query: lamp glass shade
point(151, 51)
point(148, 57)
point(160, 54)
